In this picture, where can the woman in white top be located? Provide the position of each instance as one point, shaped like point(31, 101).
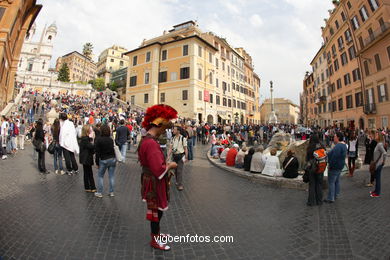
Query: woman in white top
point(352, 153)
point(272, 165)
point(258, 160)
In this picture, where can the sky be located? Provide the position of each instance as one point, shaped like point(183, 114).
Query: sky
point(282, 36)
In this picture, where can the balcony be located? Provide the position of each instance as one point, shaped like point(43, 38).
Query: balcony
point(349, 40)
point(320, 100)
point(378, 33)
point(369, 108)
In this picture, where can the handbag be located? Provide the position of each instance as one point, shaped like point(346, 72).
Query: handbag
point(305, 177)
point(51, 147)
point(373, 165)
point(177, 157)
point(118, 154)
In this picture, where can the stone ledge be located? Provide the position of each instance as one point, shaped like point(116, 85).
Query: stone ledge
point(278, 182)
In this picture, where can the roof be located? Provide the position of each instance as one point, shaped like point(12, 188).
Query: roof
point(70, 53)
point(165, 43)
point(318, 52)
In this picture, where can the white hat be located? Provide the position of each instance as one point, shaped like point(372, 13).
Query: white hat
point(235, 146)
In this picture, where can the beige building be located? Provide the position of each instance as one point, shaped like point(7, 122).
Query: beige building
point(191, 71)
point(286, 111)
point(111, 59)
point(81, 68)
point(16, 18)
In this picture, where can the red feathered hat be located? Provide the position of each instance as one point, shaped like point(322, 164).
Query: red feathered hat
point(158, 115)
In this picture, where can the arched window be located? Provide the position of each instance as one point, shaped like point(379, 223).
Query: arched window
point(49, 38)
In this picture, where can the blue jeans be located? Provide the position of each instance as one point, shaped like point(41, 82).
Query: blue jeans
point(58, 157)
point(109, 164)
point(193, 140)
point(378, 173)
point(123, 149)
point(334, 184)
point(190, 152)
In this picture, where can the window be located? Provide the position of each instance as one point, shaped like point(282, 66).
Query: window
point(234, 86)
point(211, 77)
point(217, 100)
point(2, 11)
point(162, 76)
point(378, 62)
point(185, 50)
point(185, 94)
point(359, 99)
point(336, 65)
point(210, 57)
point(229, 103)
point(363, 13)
point(347, 79)
point(331, 70)
point(234, 103)
point(355, 23)
point(200, 74)
point(200, 95)
point(349, 101)
point(349, 5)
point(334, 50)
point(343, 16)
point(224, 102)
point(146, 98)
point(348, 36)
point(370, 96)
point(382, 93)
point(217, 83)
point(366, 68)
point(340, 42)
point(164, 55)
point(134, 60)
point(228, 70)
point(373, 5)
point(334, 107)
point(147, 78)
point(132, 100)
point(385, 122)
point(147, 56)
point(185, 73)
point(121, 63)
point(211, 98)
point(340, 101)
point(352, 52)
point(382, 24)
point(356, 74)
point(338, 82)
point(216, 63)
point(133, 81)
point(371, 34)
point(200, 51)
point(173, 76)
point(344, 59)
point(112, 60)
point(388, 52)
point(223, 65)
point(337, 24)
point(162, 97)
point(361, 42)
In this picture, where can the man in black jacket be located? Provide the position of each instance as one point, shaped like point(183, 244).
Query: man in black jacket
point(122, 136)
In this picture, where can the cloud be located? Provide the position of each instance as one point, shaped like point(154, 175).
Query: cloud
point(256, 20)
point(282, 36)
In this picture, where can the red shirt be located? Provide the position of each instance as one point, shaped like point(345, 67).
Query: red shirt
point(231, 157)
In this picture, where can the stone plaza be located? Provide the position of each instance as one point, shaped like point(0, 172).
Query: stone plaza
point(52, 217)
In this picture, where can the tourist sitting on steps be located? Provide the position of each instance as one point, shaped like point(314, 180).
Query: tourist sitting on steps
point(258, 160)
point(272, 165)
point(290, 165)
point(223, 155)
point(248, 159)
point(240, 158)
point(231, 155)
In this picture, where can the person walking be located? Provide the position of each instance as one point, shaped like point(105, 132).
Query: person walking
point(68, 141)
point(121, 138)
point(39, 138)
point(57, 156)
point(155, 176)
point(178, 151)
point(22, 135)
point(353, 152)
point(379, 158)
point(370, 144)
point(336, 162)
point(105, 152)
point(315, 179)
point(87, 149)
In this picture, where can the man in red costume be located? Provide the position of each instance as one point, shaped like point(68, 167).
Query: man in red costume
point(155, 170)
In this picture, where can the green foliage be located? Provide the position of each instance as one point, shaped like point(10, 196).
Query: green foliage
point(63, 73)
point(81, 82)
point(113, 86)
point(98, 84)
point(87, 49)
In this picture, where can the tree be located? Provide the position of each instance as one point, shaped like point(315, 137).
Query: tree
point(98, 84)
point(87, 50)
point(63, 73)
point(113, 86)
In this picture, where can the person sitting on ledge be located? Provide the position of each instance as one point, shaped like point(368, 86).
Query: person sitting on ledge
point(272, 165)
point(231, 155)
point(258, 160)
point(290, 165)
point(248, 159)
point(240, 158)
point(214, 150)
point(223, 155)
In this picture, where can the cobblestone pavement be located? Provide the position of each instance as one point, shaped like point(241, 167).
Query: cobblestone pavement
point(51, 217)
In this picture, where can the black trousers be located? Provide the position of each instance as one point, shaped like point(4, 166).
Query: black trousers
point(315, 188)
point(155, 226)
point(70, 160)
point(41, 161)
point(89, 182)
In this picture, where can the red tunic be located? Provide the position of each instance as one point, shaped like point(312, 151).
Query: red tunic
point(154, 178)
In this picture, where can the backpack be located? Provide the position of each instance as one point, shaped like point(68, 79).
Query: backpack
point(320, 160)
point(184, 133)
point(16, 130)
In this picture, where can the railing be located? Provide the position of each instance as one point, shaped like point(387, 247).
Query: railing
point(370, 108)
point(383, 28)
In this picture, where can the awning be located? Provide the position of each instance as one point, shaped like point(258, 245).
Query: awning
point(223, 117)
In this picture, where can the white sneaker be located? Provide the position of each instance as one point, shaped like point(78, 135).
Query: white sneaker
point(111, 194)
point(56, 171)
point(62, 172)
point(4, 157)
point(99, 195)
